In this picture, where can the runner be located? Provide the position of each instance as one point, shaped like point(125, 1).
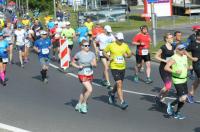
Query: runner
point(118, 52)
point(101, 42)
point(143, 40)
point(194, 48)
point(4, 47)
point(178, 66)
point(69, 34)
point(84, 60)
point(42, 47)
point(163, 55)
point(81, 32)
point(9, 36)
point(20, 35)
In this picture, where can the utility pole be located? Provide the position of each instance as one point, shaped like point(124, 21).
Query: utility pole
point(153, 24)
point(27, 8)
point(54, 5)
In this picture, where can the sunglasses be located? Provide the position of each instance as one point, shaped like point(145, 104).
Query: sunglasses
point(85, 45)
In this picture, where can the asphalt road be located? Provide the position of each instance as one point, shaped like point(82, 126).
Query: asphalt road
point(29, 104)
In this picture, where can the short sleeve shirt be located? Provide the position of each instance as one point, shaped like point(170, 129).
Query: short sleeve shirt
point(116, 52)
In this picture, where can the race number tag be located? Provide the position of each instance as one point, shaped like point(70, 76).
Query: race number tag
point(8, 38)
point(45, 51)
point(5, 60)
point(167, 58)
point(88, 71)
point(37, 34)
point(100, 53)
point(145, 51)
point(119, 59)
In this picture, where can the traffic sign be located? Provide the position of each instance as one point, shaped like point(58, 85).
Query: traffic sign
point(152, 1)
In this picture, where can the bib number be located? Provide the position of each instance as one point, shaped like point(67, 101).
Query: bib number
point(5, 60)
point(100, 53)
point(119, 60)
point(8, 38)
point(88, 71)
point(145, 51)
point(45, 51)
point(37, 34)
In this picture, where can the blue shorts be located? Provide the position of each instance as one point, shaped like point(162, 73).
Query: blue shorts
point(44, 61)
point(21, 48)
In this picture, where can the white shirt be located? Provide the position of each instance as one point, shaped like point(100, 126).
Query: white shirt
point(20, 37)
point(104, 40)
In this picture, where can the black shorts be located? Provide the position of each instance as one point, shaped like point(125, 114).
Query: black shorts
point(70, 47)
point(118, 74)
point(196, 68)
point(1, 61)
point(139, 58)
point(181, 89)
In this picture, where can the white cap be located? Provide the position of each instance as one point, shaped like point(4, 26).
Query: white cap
point(58, 18)
point(57, 36)
point(67, 23)
point(56, 22)
point(108, 28)
point(43, 32)
point(83, 38)
point(119, 36)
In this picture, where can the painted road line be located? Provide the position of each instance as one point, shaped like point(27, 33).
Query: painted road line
point(126, 91)
point(12, 128)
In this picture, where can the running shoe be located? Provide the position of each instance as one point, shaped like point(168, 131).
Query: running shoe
point(179, 116)
point(190, 99)
point(136, 79)
point(105, 83)
point(157, 100)
point(26, 61)
point(22, 66)
point(4, 83)
point(142, 69)
point(124, 105)
point(83, 108)
point(45, 80)
point(170, 110)
point(148, 81)
point(111, 98)
point(78, 107)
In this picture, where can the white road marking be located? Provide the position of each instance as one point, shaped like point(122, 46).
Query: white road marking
point(11, 128)
point(126, 91)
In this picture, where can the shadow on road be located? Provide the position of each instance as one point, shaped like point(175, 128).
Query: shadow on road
point(72, 103)
point(171, 92)
point(102, 98)
point(197, 129)
point(38, 77)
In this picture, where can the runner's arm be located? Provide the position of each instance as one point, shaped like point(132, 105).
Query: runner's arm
point(158, 56)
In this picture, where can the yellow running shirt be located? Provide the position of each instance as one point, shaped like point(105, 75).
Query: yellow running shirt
point(116, 53)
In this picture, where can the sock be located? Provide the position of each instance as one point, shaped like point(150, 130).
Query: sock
point(42, 73)
point(180, 105)
point(2, 76)
point(174, 102)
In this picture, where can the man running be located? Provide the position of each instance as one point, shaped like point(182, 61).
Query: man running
point(42, 47)
point(178, 66)
point(118, 52)
point(101, 42)
point(20, 35)
point(9, 36)
point(194, 48)
point(142, 40)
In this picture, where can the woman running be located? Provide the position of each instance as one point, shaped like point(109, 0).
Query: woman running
point(4, 47)
point(163, 54)
point(84, 60)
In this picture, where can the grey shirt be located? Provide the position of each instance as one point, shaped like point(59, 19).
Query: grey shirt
point(85, 59)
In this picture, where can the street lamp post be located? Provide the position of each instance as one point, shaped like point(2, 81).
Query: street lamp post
point(54, 5)
point(27, 8)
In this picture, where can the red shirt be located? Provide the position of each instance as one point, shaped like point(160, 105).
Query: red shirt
point(142, 38)
point(97, 30)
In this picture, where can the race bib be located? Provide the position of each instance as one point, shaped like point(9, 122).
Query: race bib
point(37, 34)
point(5, 60)
point(45, 51)
point(167, 58)
point(145, 51)
point(8, 38)
point(100, 53)
point(119, 59)
point(88, 71)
